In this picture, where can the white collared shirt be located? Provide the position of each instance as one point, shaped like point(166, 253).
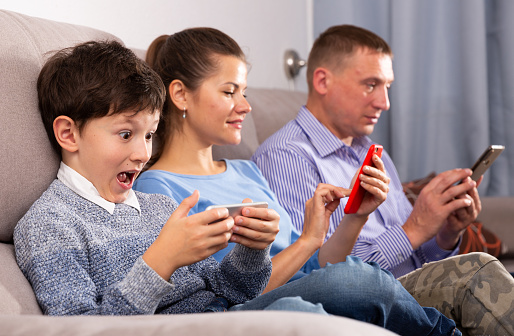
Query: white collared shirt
point(86, 189)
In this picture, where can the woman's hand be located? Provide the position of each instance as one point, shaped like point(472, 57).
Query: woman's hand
point(318, 210)
point(256, 228)
point(376, 183)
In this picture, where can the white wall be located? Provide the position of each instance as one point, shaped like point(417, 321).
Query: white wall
point(263, 28)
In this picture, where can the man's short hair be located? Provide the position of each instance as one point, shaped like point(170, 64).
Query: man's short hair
point(336, 43)
point(95, 79)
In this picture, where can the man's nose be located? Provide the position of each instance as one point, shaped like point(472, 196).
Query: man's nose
point(382, 99)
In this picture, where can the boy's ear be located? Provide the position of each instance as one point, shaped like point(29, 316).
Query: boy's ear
point(66, 132)
point(177, 91)
point(321, 80)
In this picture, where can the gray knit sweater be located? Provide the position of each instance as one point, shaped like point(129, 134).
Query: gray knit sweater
point(80, 259)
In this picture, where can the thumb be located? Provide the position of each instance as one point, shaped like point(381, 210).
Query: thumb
point(186, 205)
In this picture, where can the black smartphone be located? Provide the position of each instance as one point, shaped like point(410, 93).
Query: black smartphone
point(486, 160)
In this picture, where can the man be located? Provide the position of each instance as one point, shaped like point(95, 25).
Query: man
point(349, 73)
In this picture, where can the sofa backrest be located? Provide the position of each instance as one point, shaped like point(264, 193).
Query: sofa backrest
point(29, 163)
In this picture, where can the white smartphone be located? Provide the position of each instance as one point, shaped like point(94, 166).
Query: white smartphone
point(486, 160)
point(235, 209)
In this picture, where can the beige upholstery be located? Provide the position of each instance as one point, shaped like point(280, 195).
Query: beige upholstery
point(30, 165)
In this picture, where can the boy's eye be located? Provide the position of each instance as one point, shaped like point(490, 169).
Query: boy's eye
point(149, 136)
point(125, 135)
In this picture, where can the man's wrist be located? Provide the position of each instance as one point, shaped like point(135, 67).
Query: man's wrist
point(448, 240)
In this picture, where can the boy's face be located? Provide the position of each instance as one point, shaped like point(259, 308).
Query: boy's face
point(112, 151)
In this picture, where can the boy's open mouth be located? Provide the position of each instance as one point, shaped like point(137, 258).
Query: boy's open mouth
point(126, 177)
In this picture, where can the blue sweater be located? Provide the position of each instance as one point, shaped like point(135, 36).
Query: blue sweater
point(80, 259)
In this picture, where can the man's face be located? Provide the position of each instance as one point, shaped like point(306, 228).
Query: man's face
point(112, 150)
point(357, 94)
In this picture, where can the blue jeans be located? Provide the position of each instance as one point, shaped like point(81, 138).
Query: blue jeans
point(358, 290)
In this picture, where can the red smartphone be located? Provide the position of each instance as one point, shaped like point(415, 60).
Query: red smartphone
point(357, 194)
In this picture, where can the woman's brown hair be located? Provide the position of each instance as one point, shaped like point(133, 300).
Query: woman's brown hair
point(190, 56)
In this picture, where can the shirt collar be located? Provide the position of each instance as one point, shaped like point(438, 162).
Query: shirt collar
point(80, 185)
point(322, 139)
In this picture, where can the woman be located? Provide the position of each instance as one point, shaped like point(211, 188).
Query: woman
point(205, 72)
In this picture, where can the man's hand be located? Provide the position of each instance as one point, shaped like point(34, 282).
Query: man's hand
point(376, 183)
point(459, 220)
point(440, 199)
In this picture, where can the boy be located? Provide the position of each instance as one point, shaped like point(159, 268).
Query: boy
point(90, 244)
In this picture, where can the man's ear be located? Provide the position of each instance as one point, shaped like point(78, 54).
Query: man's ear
point(321, 79)
point(177, 91)
point(66, 133)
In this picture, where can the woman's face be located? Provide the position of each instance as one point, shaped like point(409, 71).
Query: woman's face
point(216, 110)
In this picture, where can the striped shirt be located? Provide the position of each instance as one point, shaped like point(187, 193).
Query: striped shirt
point(305, 153)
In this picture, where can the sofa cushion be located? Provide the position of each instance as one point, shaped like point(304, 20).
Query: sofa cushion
point(248, 323)
point(29, 162)
point(16, 294)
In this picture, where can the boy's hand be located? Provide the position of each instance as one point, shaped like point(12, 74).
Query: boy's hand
point(256, 228)
point(185, 240)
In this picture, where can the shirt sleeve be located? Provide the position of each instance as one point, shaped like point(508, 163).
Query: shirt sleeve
point(55, 262)
point(292, 178)
point(241, 276)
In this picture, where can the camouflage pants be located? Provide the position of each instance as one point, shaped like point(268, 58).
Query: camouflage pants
point(473, 289)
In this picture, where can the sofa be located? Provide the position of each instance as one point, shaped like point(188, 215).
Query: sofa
point(30, 166)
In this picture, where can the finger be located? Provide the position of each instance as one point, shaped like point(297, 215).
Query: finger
point(247, 200)
point(376, 173)
point(447, 179)
point(186, 205)
point(336, 192)
point(265, 214)
point(459, 189)
point(480, 180)
point(377, 192)
point(328, 197)
point(222, 226)
point(457, 203)
point(255, 224)
point(250, 243)
point(266, 235)
point(379, 164)
point(374, 182)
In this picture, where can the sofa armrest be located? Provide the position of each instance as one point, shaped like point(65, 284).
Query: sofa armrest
point(497, 215)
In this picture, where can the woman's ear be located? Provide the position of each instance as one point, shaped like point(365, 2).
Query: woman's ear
point(66, 132)
point(177, 91)
point(321, 80)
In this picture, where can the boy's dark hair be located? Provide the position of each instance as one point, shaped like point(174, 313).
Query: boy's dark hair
point(95, 79)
